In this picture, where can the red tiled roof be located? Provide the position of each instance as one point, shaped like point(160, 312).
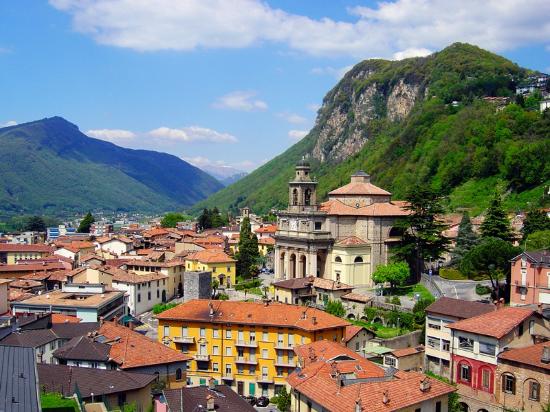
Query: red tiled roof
point(267, 229)
point(305, 282)
point(350, 241)
point(134, 350)
point(366, 382)
point(32, 268)
point(253, 313)
point(14, 247)
point(531, 355)
point(459, 308)
point(351, 331)
point(401, 353)
point(336, 207)
point(60, 318)
point(359, 188)
point(356, 297)
point(266, 241)
point(131, 277)
point(25, 283)
point(155, 232)
point(210, 256)
point(122, 239)
point(497, 323)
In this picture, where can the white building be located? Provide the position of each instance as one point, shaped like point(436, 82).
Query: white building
point(116, 246)
point(142, 291)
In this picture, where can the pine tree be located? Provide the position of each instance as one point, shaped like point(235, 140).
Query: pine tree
point(35, 224)
point(496, 223)
point(465, 240)
point(422, 230)
point(248, 255)
point(205, 220)
point(85, 223)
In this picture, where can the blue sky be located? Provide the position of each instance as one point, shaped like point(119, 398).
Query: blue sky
point(226, 82)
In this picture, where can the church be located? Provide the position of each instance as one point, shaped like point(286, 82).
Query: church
point(342, 239)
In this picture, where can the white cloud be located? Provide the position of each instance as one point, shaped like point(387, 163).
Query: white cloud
point(313, 107)
point(192, 134)
point(387, 28)
point(112, 135)
point(209, 164)
point(337, 73)
point(292, 118)
point(240, 100)
point(411, 52)
point(8, 123)
point(297, 134)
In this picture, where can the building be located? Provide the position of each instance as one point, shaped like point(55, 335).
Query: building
point(309, 289)
point(439, 315)
point(10, 253)
point(174, 271)
point(344, 238)
point(75, 249)
point(112, 387)
point(265, 245)
point(45, 340)
point(247, 345)
point(356, 338)
point(142, 291)
point(101, 228)
point(217, 262)
point(218, 398)
point(89, 302)
point(406, 359)
point(523, 378)
point(530, 279)
point(334, 378)
point(28, 238)
point(19, 390)
point(21, 270)
point(4, 295)
point(197, 285)
point(544, 104)
point(114, 346)
point(477, 342)
point(255, 221)
point(116, 246)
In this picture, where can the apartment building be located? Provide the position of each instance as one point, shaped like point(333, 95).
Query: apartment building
point(10, 253)
point(439, 315)
point(173, 269)
point(222, 266)
point(530, 279)
point(246, 345)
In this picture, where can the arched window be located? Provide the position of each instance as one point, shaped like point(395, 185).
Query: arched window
point(509, 383)
point(464, 373)
point(338, 259)
point(307, 197)
point(534, 390)
point(358, 259)
point(178, 374)
point(295, 197)
point(485, 379)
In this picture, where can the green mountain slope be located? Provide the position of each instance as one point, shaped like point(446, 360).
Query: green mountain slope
point(417, 120)
point(49, 166)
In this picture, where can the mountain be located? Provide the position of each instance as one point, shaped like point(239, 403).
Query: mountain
point(50, 166)
point(226, 175)
point(418, 120)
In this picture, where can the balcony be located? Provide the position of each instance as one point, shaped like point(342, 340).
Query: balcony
point(247, 343)
point(247, 361)
point(285, 364)
point(264, 379)
point(183, 339)
point(228, 377)
point(202, 357)
point(521, 283)
point(282, 346)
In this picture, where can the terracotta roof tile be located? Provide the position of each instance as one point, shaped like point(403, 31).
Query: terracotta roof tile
point(401, 353)
point(350, 241)
point(497, 323)
point(305, 282)
point(210, 256)
point(336, 207)
point(253, 313)
point(15, 247)
point(351, 331)
point(359, 188)
point(458, 308)
point(59, 318)
point(267, 229)
point(356, 297)
point(531, 355)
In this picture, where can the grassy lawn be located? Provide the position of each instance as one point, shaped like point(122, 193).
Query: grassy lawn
point(256, 291)
point(454, 274)
point(383, 332)
point(55, 400)
point(411, 290)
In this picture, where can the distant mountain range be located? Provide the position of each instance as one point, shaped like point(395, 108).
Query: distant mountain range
point(224, 174)
point(450, 120)
point(49, 166)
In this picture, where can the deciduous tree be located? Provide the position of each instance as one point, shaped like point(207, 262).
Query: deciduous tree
point(396, 274)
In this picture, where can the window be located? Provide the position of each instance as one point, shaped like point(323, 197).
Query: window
point(434, 342)
point(265, 336)
point(389, 361)
point(509, 384)
point(139, 297)
point(318, 225)
point(520, 329)
point(487, 348)
point(438, 406)
point(228, 351)
point(149, 295)
point(445, 345)
point(167, 331)
point(240, 368)
point(252, 369)
point(265, 353)
point(356, 346)
point(215, 333)
point(279, 371)
point(434, 324)
point(358, 259)
point(252, 336)
point(202, 332)
point(465, 343)
point(228, 369)
point(534, 391)
point(214, 269)
point(228, 334)
point(465, 373)
point(184, 331)
point(215, 350)
point(215, 367)
point(178, 374)
point(158, 294)
point(338, 259)
point(485, 378)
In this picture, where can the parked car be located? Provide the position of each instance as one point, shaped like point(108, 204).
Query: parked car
point(262, 401)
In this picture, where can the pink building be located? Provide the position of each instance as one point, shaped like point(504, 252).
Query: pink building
point(530, 279)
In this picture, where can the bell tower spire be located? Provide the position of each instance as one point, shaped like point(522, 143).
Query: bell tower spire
point(302, 191)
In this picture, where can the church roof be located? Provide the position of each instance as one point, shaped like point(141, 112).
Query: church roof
point(350, 241)
point(336, 207)
point(360, 188)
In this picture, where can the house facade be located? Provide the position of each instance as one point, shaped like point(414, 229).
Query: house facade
point(10, 253)
point(222, 266)
point(530, 279)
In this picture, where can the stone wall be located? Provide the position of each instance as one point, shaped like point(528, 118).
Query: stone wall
point(197, 285)
point(408, 340)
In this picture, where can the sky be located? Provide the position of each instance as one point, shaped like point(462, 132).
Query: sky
point(227, 82)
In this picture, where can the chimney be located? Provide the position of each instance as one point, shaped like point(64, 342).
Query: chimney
point(211, 384)
point(314, 320)
point(545, 358)
point(385, 397)
point(210, 403)
point(304, 315)
point(101, 321)
point(425, 384)
point(211, 306)
point(358, 407)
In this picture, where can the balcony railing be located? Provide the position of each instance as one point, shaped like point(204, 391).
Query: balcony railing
point(283, 346)
point(285, 364)
point(247, 343)
point(264, 379)
point(247, 361)
point(184, 339)
point(228, 377)
point(202, 357)
point(521, 283)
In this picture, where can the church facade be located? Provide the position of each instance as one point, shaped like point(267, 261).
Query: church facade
point(342, 239)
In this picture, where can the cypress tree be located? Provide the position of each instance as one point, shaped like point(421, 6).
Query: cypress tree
point(84, 226)
point(466, 238)
point(496, 223)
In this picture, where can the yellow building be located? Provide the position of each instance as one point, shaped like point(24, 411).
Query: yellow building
point(266, 245)
point(174, 269)
point(246, 345)
point(222, 267)
point(10, 253)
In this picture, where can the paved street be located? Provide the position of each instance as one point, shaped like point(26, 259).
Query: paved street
point(460, 289)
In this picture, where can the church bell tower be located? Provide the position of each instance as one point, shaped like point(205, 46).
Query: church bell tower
point(302, 191)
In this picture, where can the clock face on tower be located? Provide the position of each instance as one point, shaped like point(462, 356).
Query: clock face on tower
point(293, 224)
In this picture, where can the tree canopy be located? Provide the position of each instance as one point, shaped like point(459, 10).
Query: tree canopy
point(396, 274)
point(465, 240)
point(35, 224)
point(85, 223)
point(248, 254)
point(538, 240)
point(496, 223)
point(171, 219)
point(535, 221)
point(211, 218)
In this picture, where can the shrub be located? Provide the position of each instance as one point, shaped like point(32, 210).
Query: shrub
point(396, 301)
point(335, 307)
point(161, 307)
point(451, 274)
point(223, 296)
point(482, 289)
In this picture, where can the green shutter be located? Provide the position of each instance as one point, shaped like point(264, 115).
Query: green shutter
point(202, 382)
point(251, 389)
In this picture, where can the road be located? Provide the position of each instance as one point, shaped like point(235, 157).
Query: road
point(460, 289)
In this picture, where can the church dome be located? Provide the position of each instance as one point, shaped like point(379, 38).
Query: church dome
point(303, 163)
